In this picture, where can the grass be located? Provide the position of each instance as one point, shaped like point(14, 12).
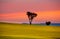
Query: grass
point(25, 31)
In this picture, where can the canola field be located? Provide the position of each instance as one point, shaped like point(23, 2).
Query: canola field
point(26, 31)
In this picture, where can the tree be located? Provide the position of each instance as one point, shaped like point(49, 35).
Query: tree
point(48, 23)
point(31, 16)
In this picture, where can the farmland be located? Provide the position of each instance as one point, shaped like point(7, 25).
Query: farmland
point(26, 31)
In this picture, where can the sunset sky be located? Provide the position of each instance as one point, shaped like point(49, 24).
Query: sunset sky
point(15, 10)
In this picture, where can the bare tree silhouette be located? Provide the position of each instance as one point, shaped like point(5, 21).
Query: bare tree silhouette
point(31, 16)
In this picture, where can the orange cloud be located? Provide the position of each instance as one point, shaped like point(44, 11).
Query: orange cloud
point(53, 16)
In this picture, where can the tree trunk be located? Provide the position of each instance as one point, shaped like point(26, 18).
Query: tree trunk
point(30, 22)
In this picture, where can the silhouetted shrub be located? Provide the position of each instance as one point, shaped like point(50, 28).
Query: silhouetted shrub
point(48, 23)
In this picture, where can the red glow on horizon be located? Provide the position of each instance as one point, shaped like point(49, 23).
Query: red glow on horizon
point(42, 16)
